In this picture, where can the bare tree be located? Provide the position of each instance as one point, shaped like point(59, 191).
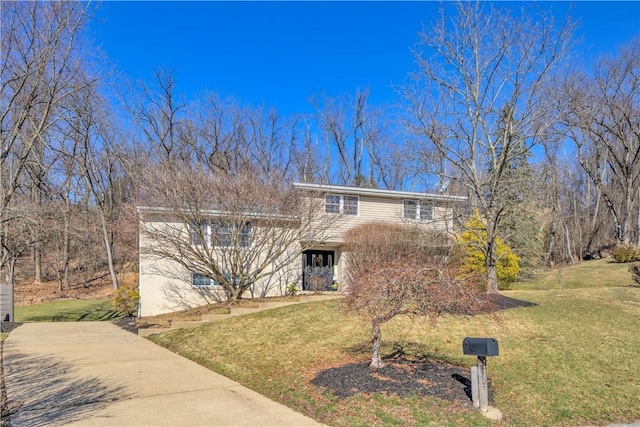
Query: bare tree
point(159, 114)
point(40, 62)
point(99, 166)
point(311, 159)
point(356, 132)
point(392, 272)
point(234, 230)
point(479, 104)
point(20, 237)
point(604, 122)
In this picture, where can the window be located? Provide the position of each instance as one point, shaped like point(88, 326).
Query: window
point(335, 204)
point(410, 209)
point(350, 205)
point(221, 234)
point(200, 280)
point(332, 204)
point(245, 235)
point(426, 211)
point(197, 231)
point(224, 234)
point(413, 209)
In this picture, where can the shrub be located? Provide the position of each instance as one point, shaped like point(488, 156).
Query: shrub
point(125, 300)
point(634, 269)
point(626, 253)
point(473, 264)
point(292, 289)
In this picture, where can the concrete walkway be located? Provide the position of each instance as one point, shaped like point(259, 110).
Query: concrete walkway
point(96, 374)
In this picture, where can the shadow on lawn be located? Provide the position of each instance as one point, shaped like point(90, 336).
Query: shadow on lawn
point(42, 391)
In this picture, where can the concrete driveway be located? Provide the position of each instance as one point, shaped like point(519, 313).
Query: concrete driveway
point(96, 374)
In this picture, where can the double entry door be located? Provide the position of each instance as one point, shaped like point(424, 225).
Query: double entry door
point(317, 273)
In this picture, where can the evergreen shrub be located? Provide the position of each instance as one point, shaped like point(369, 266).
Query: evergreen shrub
point(626, 253)
point(125, 300)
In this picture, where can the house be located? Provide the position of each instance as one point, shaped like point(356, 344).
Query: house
point(308, 262)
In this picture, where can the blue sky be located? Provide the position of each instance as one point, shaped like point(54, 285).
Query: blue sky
point(279, 54)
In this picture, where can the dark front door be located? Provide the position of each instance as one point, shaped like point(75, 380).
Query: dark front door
point(317, 273)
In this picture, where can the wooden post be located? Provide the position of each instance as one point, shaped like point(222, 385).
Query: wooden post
point(483, 386)
point(474, 387)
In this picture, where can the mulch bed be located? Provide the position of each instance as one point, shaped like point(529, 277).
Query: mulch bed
point(399, 377)
point(128, 324)
point(7, 327)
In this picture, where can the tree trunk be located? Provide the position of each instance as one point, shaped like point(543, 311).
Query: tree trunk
point(626, 216)
point(236, 294)
point(65, 252)
point(6, 256)
point(107, 247)
point(492, 279)
point(570, 249)
point(638, 225)
point(376, 360)
point(552, 244)
point(11, 270)
point(37, 258)
point(490, 264)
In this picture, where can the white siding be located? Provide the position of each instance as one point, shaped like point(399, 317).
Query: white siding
point(387, 209)
point(165, 285)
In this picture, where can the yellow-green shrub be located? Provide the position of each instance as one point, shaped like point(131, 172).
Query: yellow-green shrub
point(626, 253)
point(125, 300)
point(473, 264)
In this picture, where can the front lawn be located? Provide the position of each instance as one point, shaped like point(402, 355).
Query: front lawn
point(67, 311)
point(570, 360)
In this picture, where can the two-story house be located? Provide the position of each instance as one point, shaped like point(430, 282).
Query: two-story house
point(320, 264)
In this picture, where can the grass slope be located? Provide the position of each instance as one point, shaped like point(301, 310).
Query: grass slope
point(67, 311)
point(570, 360)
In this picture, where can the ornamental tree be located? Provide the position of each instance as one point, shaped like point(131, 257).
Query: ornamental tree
point(397, 270)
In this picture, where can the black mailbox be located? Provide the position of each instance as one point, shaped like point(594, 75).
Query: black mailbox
point(480, 346)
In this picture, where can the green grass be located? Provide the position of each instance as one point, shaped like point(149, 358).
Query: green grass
point(589, 274)
point(570, 360)
point(67, 311)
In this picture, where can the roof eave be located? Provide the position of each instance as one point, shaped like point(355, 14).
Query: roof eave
point(338, 189)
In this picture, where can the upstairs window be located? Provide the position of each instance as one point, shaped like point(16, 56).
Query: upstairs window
point(220, 234)
point(225, 234)
point(245, 235)
point(332, 204)
point(198, 231)
point(418, 210)
point(410, 209)
point(347, 205)
point(350, 205)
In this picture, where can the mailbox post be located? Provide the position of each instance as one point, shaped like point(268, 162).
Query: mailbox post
point(481, 347)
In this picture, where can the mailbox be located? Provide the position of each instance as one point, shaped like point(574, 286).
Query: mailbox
point(480, 346)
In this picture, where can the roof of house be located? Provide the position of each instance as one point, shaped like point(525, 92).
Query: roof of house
point(217, 213)
point(339, 189)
